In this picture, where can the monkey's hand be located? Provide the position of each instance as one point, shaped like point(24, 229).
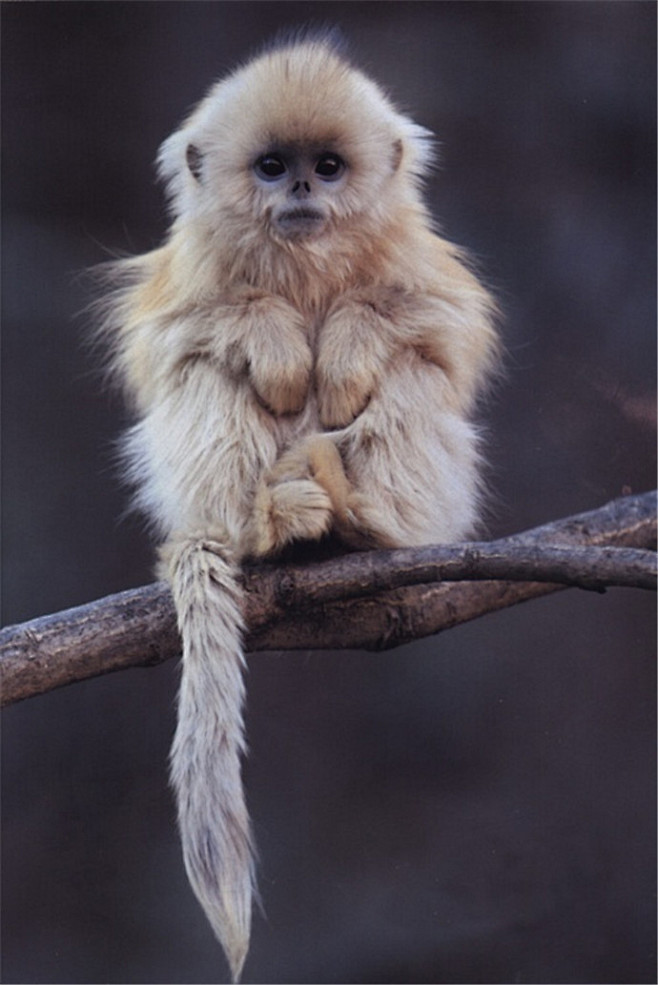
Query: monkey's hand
point(273, 350)
point(355, 345)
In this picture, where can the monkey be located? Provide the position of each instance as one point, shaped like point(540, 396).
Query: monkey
point(303, 356)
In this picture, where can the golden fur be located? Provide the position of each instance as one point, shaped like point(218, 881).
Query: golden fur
point(303, 355)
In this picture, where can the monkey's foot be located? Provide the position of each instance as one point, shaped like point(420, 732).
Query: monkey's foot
point(359, 525)
point(294, 509)
point(326, 467)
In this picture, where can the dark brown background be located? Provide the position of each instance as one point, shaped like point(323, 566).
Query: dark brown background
point(475, 808)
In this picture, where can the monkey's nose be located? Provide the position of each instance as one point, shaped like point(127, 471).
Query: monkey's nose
point(301, 189)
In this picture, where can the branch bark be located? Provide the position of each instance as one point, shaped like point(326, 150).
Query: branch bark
point(372, 601)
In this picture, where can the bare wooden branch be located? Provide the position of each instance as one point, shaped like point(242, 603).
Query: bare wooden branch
point(359, 575)
point(372, 600)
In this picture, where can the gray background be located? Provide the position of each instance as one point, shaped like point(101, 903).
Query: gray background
point(478, 807)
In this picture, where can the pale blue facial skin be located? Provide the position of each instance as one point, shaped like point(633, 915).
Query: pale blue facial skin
point(297, 182)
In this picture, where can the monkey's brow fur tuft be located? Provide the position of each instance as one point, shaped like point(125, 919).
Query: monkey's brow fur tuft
point(303, 356)
point(323, 34)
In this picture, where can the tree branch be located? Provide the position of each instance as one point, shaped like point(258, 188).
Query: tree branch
point(373, 600)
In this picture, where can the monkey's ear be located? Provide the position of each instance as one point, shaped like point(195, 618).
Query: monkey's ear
point(194, 159)
point(398, 150)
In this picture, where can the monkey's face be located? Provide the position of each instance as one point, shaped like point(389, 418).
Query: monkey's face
point(297, 186)
point(296, 147)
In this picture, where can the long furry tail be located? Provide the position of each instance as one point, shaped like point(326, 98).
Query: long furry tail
point(209, 740)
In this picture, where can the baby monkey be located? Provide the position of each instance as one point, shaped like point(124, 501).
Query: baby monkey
point(303, 355)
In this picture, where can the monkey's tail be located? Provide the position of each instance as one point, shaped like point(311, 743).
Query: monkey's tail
point(209, 740)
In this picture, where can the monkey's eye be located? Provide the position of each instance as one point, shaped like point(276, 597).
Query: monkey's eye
point(329, 167)
point(270, 167)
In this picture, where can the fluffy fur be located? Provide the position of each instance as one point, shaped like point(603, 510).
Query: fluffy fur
point(303, 356)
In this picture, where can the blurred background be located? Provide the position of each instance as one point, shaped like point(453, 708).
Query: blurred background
point(477, 807)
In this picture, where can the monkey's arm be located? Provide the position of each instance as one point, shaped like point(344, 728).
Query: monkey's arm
point(244, 333)
point(448, 323)
point(356, 342)
point(410, 453)
point(266, 339)
point(411, 459)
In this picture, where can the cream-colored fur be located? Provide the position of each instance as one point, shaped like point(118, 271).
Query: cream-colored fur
point(303, 355)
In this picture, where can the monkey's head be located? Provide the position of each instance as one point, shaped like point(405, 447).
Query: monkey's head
point(294, 147)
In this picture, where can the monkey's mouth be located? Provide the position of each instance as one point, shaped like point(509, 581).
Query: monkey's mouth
point(299, 222)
